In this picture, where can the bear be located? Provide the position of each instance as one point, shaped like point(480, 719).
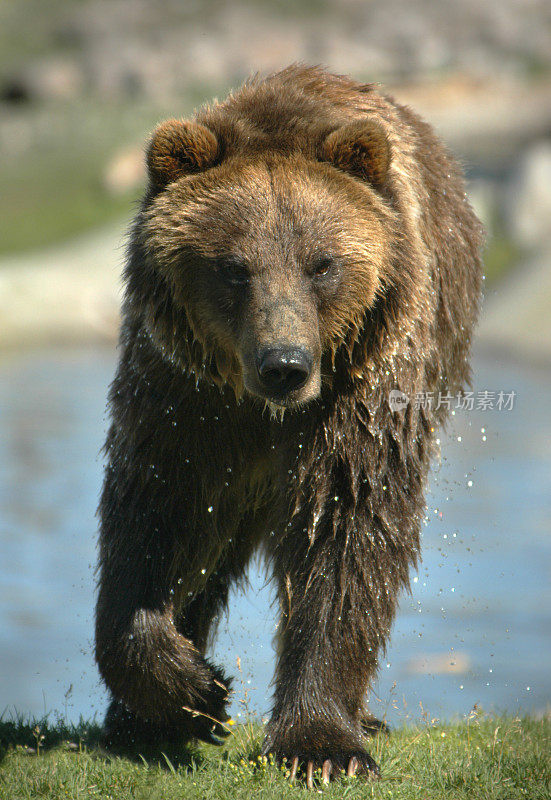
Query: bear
point(304, 252)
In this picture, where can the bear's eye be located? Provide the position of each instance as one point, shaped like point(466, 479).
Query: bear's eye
point(322, 266)
point(234, 271)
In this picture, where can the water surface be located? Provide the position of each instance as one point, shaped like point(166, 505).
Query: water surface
point(476, 628)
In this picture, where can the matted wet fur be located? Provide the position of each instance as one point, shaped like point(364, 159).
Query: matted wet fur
point(304, 248)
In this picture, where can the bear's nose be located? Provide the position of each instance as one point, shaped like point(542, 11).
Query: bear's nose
point(281, 369)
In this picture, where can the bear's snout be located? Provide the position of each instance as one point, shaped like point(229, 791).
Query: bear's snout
point(282, 370)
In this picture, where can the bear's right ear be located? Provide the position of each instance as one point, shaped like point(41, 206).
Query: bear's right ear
point(179, 148)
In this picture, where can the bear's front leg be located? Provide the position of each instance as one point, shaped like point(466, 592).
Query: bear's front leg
point(337, 603)
point(160, 681)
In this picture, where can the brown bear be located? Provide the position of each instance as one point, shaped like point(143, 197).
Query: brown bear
point(304, 249)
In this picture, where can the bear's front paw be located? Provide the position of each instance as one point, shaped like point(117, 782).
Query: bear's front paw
point(318, 748)
point(207, 717)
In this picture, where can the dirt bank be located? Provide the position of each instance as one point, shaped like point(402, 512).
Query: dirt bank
point(69, 293)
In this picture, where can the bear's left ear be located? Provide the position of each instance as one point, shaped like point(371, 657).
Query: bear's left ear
point(180, 148)
point(361, 149)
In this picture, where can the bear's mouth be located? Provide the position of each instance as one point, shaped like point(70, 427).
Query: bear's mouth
point(277, 404)
point(275, 410)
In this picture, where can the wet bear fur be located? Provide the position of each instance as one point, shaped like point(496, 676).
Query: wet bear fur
point(306, 214)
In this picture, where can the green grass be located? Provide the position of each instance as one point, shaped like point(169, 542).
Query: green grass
point(52, 188)
point(54, 158)
point(481, 758)
point(53, 197)
point(500, 257)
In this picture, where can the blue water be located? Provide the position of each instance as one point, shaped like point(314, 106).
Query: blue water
point(481, 599)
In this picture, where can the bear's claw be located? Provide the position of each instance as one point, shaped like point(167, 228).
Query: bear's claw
point(207, 722)
point(359, 764)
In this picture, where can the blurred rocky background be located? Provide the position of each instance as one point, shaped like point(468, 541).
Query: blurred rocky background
point(83, 82)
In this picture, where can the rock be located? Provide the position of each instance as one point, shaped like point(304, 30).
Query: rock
point(54, 79)
point(15, 89)
point(125, 172)
point(528, 206)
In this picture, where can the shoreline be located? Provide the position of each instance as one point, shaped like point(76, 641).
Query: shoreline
point(68, 293)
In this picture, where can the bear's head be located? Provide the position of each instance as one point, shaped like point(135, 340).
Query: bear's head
point(266, 262)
